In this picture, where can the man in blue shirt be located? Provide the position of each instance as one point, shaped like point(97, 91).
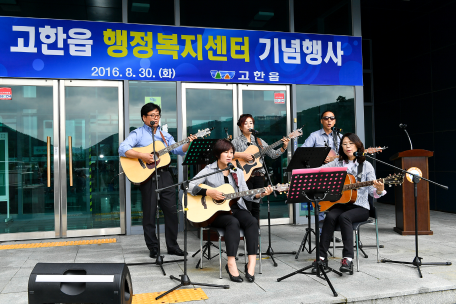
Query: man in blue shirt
point(142, 137)
point(325, 137)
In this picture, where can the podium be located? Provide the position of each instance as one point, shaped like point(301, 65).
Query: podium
point(404, 196)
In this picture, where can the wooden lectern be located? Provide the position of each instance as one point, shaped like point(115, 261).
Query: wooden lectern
point(404, 196)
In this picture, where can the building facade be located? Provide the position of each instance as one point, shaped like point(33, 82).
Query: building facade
point(60, 174)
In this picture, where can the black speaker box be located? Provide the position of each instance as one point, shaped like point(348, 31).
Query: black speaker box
point(80, 283)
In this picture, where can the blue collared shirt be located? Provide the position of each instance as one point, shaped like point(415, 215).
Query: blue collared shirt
point(321, 139)
point(142, 137)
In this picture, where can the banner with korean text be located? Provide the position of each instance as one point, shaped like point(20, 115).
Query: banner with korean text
point(47, 48)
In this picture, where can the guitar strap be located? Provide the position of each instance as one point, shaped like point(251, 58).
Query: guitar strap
point(360, 172)
point(259, 143)
point(164, 140)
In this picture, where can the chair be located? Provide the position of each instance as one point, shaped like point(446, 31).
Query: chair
point(356, 226)
point(206, 248)
point(221, 233)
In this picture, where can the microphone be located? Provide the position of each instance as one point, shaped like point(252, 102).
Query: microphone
point(254, 131)
point(232, 167)
point(152, 123)
point(402, 126)
point(337, 129)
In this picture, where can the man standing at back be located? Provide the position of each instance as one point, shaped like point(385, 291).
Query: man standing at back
point(325, 137)
point(142, 137)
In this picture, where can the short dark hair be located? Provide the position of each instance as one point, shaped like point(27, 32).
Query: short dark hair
point(358, 143)
point(221, 146)
point(323, 114)
point(149, 107)
point(243, 118)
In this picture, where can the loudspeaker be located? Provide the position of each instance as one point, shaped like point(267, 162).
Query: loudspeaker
point(80, 283)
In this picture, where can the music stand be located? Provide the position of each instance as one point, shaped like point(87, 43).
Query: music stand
point(200, 152)
point(307, 157)
point(316, 185)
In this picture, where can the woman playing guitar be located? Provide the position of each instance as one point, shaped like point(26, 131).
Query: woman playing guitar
point(241, 143)
point(240, 217)
point(346, 214)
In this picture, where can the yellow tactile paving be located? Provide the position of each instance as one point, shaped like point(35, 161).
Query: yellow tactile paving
point(57, 244)
point(177, 296)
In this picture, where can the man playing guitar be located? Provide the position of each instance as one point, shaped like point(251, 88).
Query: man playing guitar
point(325, 136)
point(142, 137)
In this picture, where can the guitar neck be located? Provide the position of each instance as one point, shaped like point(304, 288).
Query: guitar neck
point(244, 193)
point(269, 148)
point(172, 147)
point(359, 185)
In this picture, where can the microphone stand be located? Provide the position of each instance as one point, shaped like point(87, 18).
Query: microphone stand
point(417, 260)
point(404, 128)
point(270, 252)
point(184, 279)
point(159, 260)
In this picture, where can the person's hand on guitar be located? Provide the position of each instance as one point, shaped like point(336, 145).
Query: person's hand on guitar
point(285, 143)
point(268, 191)
point(147, 158)
point(187, 145)
point(379, 186)
point(215, 194)
point(246, 156)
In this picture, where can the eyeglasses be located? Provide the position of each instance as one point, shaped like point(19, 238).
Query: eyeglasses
point(348, 144)
point(154, 116)
point(328, 117)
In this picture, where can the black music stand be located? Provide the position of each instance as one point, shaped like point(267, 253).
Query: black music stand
point(200, 153)
point(316, 185)
point(306, 157)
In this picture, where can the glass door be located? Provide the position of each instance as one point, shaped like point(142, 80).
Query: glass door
point(208, 106)
point(270, 107)
point(29, 193)
point(91, 126)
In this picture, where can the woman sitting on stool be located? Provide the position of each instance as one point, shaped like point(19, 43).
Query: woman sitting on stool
point(240, 217)
point(346, 214)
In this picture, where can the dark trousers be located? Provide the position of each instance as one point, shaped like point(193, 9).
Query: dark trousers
point(232, 223)
point(344, 215)
point(254, 182)
point(167, 204)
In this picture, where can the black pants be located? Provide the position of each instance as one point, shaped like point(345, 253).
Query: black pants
point(167, 204)
point(232, 224)
point(254, 182)
point(344, 215)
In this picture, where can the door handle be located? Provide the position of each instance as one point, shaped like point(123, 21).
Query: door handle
point(48, 161)
point(70, 148)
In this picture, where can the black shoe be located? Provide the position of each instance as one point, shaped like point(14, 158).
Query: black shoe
point(237, 279)
point(338, 240)
point(325, 265)
point(177, 251)
point(346, 266)
point(153, 253)
point(250, 278)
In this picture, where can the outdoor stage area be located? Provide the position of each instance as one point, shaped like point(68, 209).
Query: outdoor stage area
point(375, 283)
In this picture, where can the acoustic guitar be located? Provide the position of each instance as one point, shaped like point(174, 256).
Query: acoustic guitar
point(249, 166)
point(137, 171)
point(350, 193)
point(202, 210)
point(332, 155)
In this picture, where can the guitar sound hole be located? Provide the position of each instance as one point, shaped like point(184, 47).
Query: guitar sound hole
point(218, 202)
